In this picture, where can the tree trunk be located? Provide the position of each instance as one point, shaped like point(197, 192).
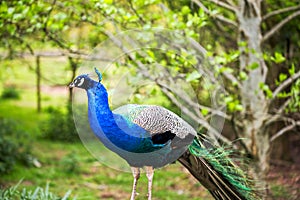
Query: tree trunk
point(253, 98)
point(38, 83)
point(74, 66)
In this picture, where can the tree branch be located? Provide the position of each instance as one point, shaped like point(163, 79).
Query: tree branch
point(232, 78)
point(237, 125)
point(205, 124)
point(196, 106)
point(224, 5)
point(230, 2)
point(53, 54)
point(135, 12)
point(286, 83)
point(280, 25)
point(26, 44)
point(279, 11)
point(219, 17)
point(279, 113)
point(284, 130)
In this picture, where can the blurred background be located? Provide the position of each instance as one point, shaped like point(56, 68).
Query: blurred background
point(252, 51)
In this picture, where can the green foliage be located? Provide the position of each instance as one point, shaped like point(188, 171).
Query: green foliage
point(253, 66)
point(265, 88)
point(194, 76)
point(243, 76)
point(282, 77)
point(233, 104)
point(12, 151)
point(19, 19)
point(7, 155)
point(59, 126)
point(278, 58)
point(10, 92)
point(292, 69)
point(294, 105)
point(70, 163)
point(24, 194)
point(293, 93)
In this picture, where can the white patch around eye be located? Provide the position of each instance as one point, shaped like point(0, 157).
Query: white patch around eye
point(81, 82)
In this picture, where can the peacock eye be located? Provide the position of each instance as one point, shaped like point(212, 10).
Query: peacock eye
point(81, 81)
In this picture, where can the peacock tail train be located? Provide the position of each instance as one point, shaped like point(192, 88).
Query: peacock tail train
point(214, 169)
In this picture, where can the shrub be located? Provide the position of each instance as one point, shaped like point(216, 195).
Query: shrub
point(59, 126)
point(12, 151)
point(24, 194)
point(10, 92)
point(8, 155)
point(70, 163)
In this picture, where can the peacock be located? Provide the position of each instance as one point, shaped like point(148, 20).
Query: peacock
point(150, 136)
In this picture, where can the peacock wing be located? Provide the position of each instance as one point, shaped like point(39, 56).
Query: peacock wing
point(162, 124)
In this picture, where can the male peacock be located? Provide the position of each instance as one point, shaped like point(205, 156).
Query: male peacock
point(152, 136)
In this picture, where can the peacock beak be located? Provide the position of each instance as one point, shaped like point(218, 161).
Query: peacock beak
point(72, 85)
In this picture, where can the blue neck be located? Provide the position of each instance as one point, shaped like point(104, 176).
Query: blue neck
point(98, 109)
point(98, 98)
point(103, 121)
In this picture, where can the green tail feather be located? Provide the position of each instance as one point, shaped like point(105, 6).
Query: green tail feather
point(219, 159)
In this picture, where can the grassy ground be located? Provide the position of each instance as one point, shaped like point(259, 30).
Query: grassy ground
point(69, 166)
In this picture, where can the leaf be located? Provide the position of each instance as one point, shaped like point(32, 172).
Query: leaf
point(253, 66)
point(204, 111)
point(233, 56)
point(238, 107)
point(231, 106)
point(266, 89)
point(10, 10)
point(282, 77)
point(151, 54)
point(227, 70)
point(185, 10)
point(292, 70)
point(108, 1)
point(228, 99)
point(283, 95)
point(220, 59)
point(189, 23)
point(193, 76)
point(243, 76)
point(242, 44)
point(67, 195)
point(278, 58)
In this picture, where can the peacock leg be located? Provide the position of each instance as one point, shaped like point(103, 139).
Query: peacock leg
point(149, 174)
point(136, 176)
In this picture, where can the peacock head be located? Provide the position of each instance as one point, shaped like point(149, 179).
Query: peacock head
point(84, 81)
